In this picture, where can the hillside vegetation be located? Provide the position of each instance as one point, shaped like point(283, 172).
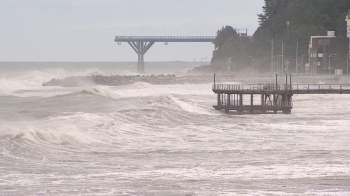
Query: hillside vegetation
point(281, 20)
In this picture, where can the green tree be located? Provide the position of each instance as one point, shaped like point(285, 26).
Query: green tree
point(228, 44)
point(223, 35)
point(305, 17)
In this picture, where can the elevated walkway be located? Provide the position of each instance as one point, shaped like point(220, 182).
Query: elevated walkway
point(164, 38)
point(141, 44)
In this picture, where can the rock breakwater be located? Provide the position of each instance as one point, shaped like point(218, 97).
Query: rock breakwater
point(117, 80)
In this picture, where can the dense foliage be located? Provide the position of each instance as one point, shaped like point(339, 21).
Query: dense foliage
point(282, 20)
point(228, 44)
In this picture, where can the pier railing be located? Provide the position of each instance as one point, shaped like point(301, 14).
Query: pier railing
point(273, 87)
point(165, 38)
point(321, 87)
point(234, 87)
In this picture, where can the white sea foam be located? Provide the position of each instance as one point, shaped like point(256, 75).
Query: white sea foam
point(88, 72)
point(5, 90)
point(35, 78)
point(55, 134)
point(104, 91)
point(192, 107)
point(165, 140)
point(139, 85)
point(29, 83)
point(172, 102)
point(142, 89)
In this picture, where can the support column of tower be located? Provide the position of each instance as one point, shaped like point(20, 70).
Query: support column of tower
point(140, 64)
point(141, 48)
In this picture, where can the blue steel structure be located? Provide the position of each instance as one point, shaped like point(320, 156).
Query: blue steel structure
point(141, 44)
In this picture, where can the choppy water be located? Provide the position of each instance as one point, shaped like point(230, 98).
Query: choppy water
point(145, 139)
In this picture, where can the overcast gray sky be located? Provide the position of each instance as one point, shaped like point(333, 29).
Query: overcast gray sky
point(84, 30)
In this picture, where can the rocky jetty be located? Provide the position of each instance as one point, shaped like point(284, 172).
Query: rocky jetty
point(117, 80)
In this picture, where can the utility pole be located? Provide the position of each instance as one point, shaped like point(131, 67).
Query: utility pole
point(329, 64)
point(296, 58)
point(272, 55)
point(282, 58)
point(347, 64)
point(252, 64)
point(302, 64)
point(274, 63)
point(288, 28)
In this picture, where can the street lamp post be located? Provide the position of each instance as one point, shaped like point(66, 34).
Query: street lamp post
point(302, 63)
point(329, 64)
point(274, 63)
point(272, 57)
point(287, 28)
point(347, 64)
point(282, 58)
point(296, 58)
point(252, 64)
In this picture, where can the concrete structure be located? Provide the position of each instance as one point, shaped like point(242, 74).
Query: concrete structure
point(141, 44)
point(328, 53)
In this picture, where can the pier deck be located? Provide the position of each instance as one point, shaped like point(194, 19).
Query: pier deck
point(273, 97)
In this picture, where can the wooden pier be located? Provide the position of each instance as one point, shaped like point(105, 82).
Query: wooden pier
point(272, 97)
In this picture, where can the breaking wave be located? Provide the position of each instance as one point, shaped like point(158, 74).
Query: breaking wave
point(5, 90)
point(171, 102)
point(35, 78)
point(103, 91)
point(59, 134)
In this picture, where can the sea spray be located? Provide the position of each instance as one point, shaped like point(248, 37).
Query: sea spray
point(44, 132)
point(5, 89)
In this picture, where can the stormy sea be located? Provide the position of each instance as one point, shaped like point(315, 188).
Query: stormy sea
point(161, 139)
